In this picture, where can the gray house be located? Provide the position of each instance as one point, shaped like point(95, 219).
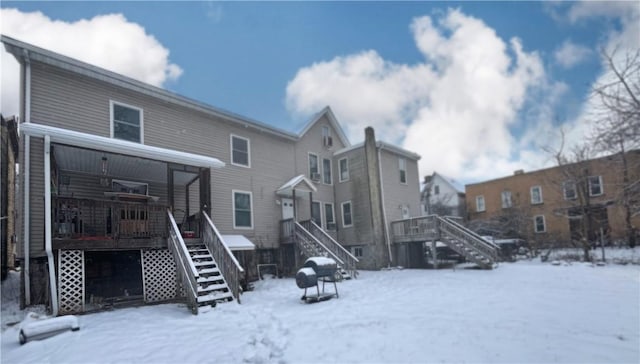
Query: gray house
point(131, 193)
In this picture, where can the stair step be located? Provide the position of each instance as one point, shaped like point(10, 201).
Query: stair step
point(212, 287)
point(215, 296)
point(202, 256)
point(208, 263)
point(210, 279)
point(208, 270)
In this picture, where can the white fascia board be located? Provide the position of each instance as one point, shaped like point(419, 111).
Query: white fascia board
point(96, 142)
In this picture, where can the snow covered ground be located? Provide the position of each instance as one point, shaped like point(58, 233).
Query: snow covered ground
point(525, 312)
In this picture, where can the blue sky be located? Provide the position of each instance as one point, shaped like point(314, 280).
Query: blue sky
point(279, 62)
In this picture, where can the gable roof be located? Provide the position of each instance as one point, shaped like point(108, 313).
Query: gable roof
point(386, 146)
point(292, 184)
point(332, 120)
point(25, 52)
point(452, 182)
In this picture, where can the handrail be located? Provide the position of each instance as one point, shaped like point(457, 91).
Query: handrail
point(337, 248)
point(469, 237)
point(472, 233)
point(231, 270)
point(315, 240)
point(186, 271)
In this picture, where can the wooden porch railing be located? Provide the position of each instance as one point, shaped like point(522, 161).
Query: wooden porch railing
point(76, 218)
point(231, 270)
point(350, 262)
point(186, 270)
point(414, 229)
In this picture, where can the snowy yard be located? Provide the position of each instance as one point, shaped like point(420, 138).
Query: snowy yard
point(522, 312)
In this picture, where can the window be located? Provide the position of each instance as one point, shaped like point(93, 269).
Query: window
point(314, 169)
point(326, 171)
point(536, 195)
point(346, 214)
point(328, 216)
point(240, 151)
point(506, 199)
point(326, 132)
point(595, 185)
point(326, 136)
point(357, 251)
point(539, 224)
point(242, 216)
point(316, 214)
point(436, 190)
point(126, 122)
point(479, 203)
point(569, 188)
point(344, 169)
point(402, 166)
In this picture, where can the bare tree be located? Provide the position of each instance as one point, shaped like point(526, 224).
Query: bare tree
point(617, 126)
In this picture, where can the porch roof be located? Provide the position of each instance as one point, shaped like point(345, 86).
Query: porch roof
point(238, 242)
point(293, 184)
point(96, 142)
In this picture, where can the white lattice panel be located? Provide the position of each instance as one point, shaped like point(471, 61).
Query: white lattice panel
point(70, 281)
point(159, 275)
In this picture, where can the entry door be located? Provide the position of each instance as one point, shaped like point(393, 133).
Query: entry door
point(287, 208)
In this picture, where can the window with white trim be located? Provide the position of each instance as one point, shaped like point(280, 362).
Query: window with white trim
point(344, 169)
point(329, 218)
point(357, 251)
point(479, 203)
point(436, 189)
point(536, 195)
point(402, 167)
point(316, 213)
point(314, 168)
point(242, 212)
point(506, 199)
point(347, 219)
point(569, 190)
point(595, 185)
point(240, 151)
point(326, 171)
point(539, 225)
point(127, 122)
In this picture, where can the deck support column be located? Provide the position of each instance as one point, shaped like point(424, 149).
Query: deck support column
point(434, 254)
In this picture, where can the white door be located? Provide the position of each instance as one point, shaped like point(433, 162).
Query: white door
point(287, 208)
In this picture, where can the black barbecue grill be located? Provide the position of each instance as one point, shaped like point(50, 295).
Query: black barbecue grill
point(317, 269)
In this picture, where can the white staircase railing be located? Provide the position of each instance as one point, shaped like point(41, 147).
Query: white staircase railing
point(311, 246)
point(336, 248)
point(456, 230)
point(185, 269)
point(229, 267)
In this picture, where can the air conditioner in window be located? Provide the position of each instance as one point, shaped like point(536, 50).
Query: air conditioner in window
point(328, 141)
point(315, 177)
point(331, 226)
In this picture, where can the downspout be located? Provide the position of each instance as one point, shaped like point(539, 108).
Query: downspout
point(384, 209)
point(27, 178)
point(47, 225)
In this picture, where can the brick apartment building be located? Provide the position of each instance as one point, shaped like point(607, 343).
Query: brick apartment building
point(547, 206)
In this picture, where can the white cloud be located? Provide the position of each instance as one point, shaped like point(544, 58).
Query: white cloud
point(569, 54)
point(108, 41)
point(456, 109)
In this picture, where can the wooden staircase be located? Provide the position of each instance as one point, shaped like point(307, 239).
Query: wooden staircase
point(211, 285)
point(467, 243)
point(315, 242)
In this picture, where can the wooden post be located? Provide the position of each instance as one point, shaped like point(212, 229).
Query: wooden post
point(295, 214)
point(434, 254)
point(311, 206)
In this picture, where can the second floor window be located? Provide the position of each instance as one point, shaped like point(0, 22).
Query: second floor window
point(506, 199)
point(126, 122)
point(240, 151)
point(344, 169)
point(346, 214)
point(479, 203)
point(314, 169)
point(569, 190)
point(402, 166)
point(536, 195)
point(326, 171)
point(595, 186)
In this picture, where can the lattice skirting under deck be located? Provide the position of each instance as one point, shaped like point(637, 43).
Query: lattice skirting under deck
point(158, 275)
point(70, 281)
